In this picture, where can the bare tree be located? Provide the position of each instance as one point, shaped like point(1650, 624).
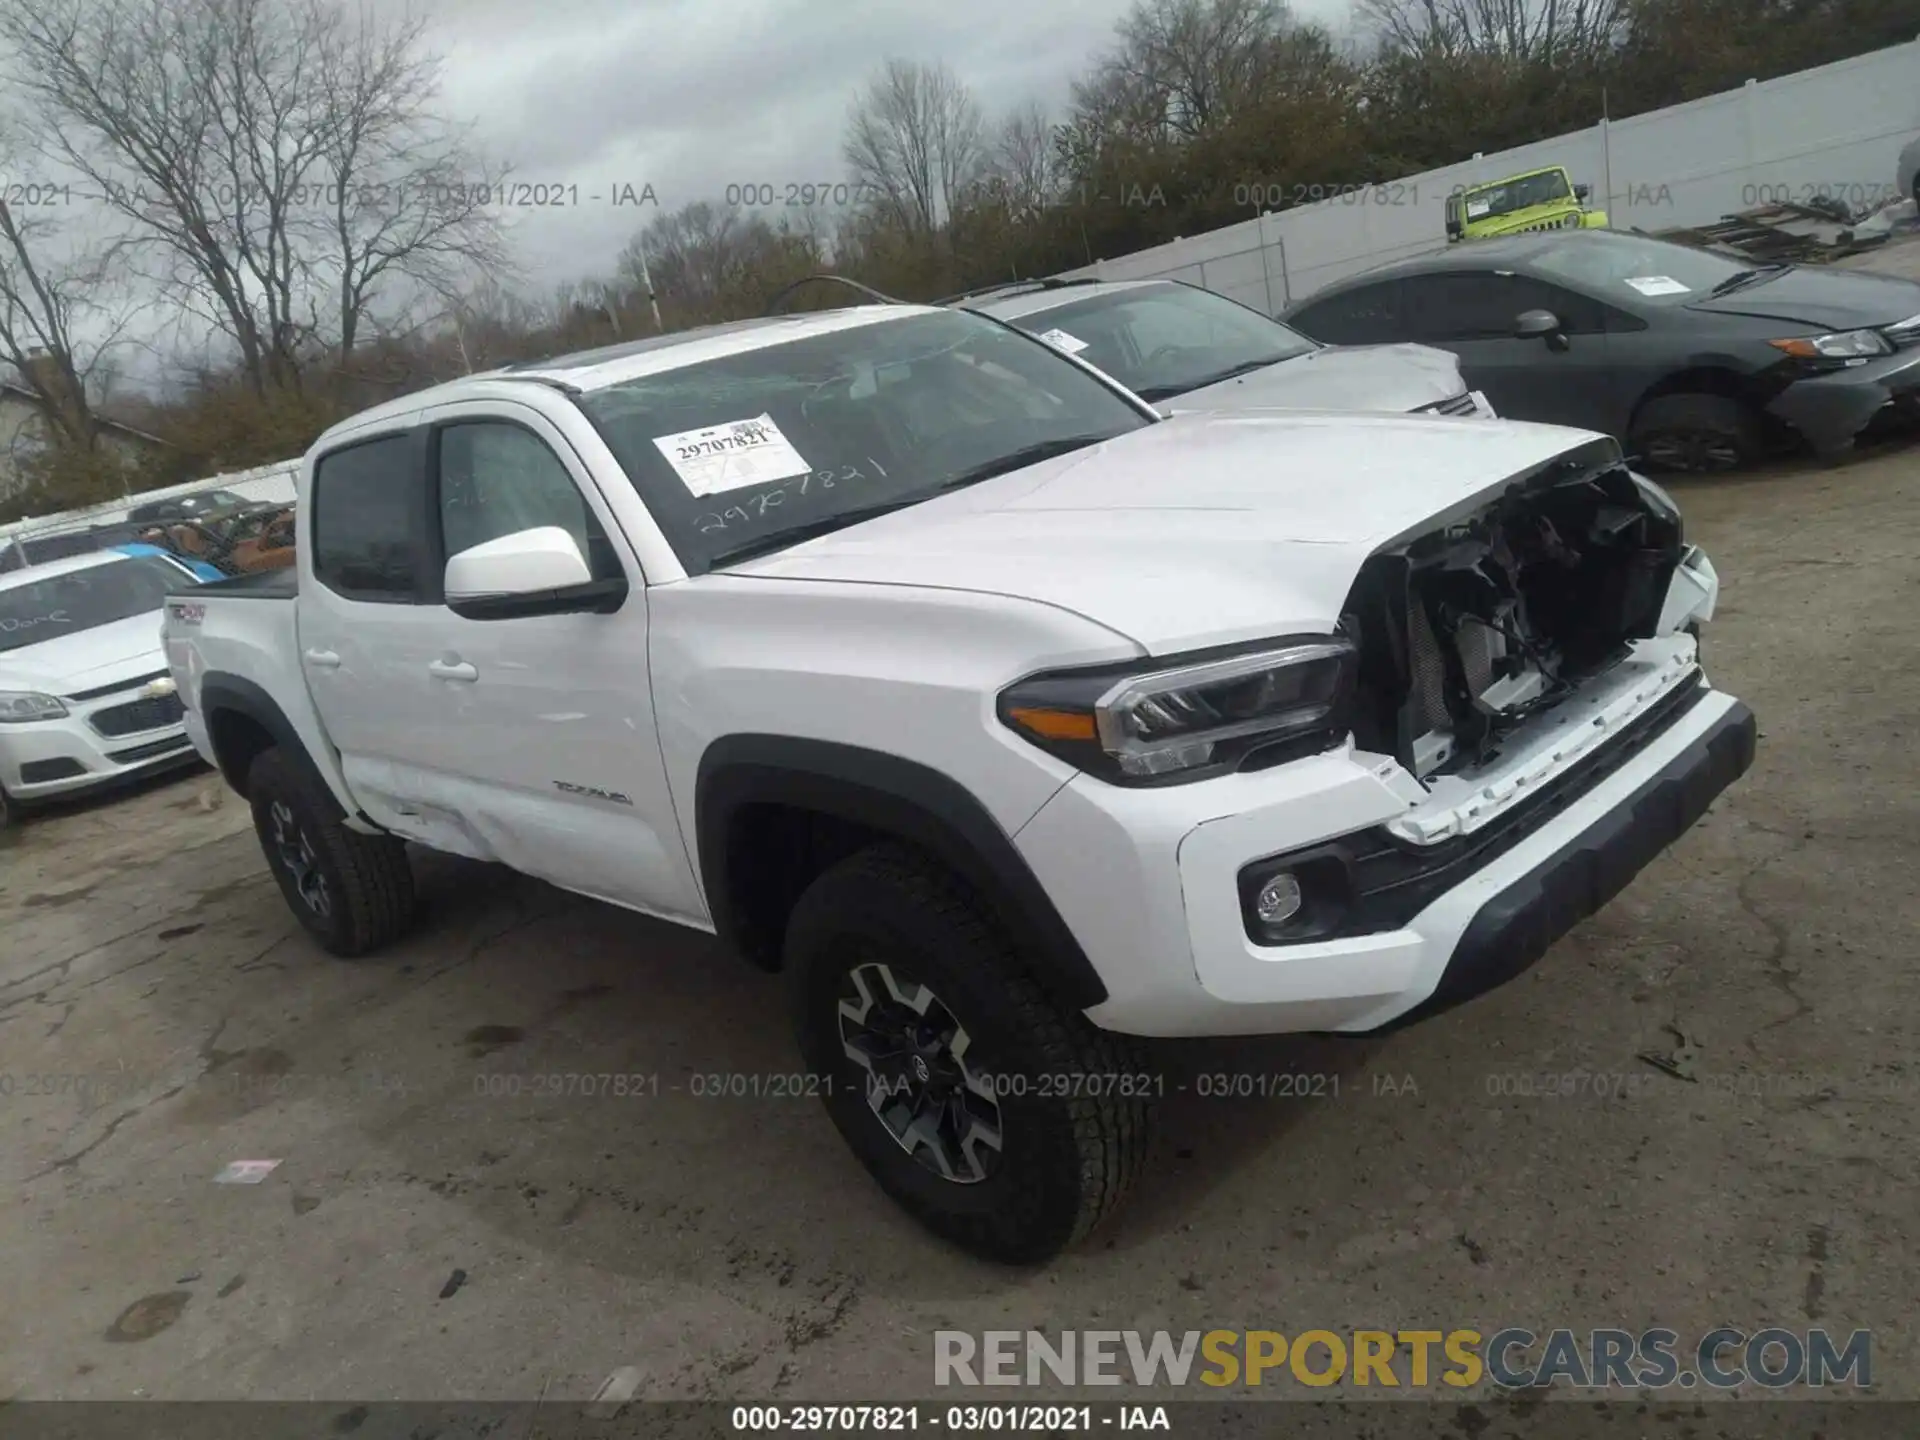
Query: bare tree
point(703, 257)
point(1188, 66)
point(404, 200)
point(1521, 30)
point(64, 308)
point(914, 142)
point(270, 155)
point(1023, 165)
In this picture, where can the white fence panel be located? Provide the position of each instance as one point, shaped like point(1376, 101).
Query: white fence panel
point(1837, 129)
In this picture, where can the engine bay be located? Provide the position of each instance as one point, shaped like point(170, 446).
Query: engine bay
point(1468, 630)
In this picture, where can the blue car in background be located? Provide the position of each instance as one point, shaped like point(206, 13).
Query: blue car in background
point(199, 569)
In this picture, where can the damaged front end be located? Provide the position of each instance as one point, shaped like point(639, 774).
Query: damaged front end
point(1480, 638)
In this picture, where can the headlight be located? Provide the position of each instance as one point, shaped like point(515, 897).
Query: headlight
point(18, 706)
point(1205, 716)
point(1846, 345)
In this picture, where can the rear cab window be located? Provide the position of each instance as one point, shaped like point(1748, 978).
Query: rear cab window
point(366, 520)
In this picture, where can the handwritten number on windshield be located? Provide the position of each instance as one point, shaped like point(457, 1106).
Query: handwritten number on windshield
point(756, 507)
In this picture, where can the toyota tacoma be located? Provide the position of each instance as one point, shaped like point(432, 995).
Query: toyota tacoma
point(1012, 722)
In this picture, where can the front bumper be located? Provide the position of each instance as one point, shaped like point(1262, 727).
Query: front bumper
point(1149, 879)
point(45, 758)
point(1830, 410)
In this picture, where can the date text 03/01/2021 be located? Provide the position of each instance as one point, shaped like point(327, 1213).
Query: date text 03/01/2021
point(953, 1419)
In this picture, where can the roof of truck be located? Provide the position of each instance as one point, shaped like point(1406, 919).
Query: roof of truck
point(583, 370)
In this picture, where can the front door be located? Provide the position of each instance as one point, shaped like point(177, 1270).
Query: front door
point(1473, 313)
point(555, 765)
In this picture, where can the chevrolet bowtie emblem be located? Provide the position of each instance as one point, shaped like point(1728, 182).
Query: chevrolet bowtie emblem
point(163, 686)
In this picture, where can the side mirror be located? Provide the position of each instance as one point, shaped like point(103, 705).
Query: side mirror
point(1583, 193)
point(1541, 325)
point(530, 572)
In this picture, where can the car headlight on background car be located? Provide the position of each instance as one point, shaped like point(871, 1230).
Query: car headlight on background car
point(1844, 345)
point(19, 706)
point(1204, 715)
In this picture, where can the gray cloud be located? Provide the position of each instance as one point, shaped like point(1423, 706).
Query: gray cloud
point(691, 96)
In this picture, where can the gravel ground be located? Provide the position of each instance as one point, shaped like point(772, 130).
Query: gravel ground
point(422, 1237)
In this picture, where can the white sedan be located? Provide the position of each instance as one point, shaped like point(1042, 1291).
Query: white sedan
point(85, 697)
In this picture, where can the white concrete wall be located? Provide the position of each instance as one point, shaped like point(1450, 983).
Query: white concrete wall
point(1838, 129)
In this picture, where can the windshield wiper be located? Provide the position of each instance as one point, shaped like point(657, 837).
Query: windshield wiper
point(811, 530)
point(1017, 460)
point(1156, 393)
point(1743, 278)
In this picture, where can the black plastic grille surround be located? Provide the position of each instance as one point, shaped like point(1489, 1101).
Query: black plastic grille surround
point(1387, 881)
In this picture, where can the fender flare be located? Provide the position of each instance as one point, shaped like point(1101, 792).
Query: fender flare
point(235, 694)
point(900, 797)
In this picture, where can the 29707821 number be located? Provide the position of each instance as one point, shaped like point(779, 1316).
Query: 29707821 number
point(755, 507)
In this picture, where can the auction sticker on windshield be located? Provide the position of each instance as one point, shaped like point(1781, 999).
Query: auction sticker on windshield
point(732, 456)
point(1477, 208)
point(1061, 340)
point(1656, 285)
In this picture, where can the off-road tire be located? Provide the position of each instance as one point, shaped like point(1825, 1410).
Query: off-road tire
point(1703, 423)
point(368, 880)
point(1076, 1101)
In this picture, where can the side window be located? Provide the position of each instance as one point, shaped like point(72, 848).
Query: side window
point(496, 479)
point(364, 503)
point(1482, 305)
point(1469, 305)
point(1364, 315)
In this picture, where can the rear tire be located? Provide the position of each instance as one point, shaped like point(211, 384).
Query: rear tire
point(1697, 434)
point(353, 892)
point(1024, 1125)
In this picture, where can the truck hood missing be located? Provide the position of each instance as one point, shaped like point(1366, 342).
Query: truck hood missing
point(1205, 529)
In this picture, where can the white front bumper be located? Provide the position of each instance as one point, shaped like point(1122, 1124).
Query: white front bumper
point(44, 758)
point(1148, 881)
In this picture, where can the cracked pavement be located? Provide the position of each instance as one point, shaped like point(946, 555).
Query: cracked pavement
point(161, 1016)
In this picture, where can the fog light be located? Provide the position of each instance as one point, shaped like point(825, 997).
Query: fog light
point(1278, 900)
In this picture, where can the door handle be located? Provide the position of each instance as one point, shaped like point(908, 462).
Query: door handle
point(323, 659)
point(452, 670)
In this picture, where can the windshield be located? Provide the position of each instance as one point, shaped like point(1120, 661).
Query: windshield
point(789, 440)
point(1521, 194)
point(1164, 340)
point(1635, 269)
point(62, 605)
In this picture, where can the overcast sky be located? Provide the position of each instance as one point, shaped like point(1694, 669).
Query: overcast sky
point(691, 96)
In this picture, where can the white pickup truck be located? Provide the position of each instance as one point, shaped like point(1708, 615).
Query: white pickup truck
point(917, 660)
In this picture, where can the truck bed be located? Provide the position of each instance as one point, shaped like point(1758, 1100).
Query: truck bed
point(281, 584)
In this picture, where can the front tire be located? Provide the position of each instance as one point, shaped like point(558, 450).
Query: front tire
point(999, 1118)
point(353, 892)
point(1697, 434)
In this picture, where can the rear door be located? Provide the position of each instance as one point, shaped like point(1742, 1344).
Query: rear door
point(362, 637)
point(1473, 313)
point(559, 770)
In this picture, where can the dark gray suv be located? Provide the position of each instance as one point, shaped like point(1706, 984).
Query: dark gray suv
point(1700, 361)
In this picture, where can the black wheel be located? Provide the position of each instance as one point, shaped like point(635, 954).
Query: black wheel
point(353, 892)
point(1696, 434)
point(9, 809)
point(998, 1118)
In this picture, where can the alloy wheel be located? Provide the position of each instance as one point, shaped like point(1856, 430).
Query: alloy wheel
point(295, 853)
point(920, 1082)
point(1695, 452)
